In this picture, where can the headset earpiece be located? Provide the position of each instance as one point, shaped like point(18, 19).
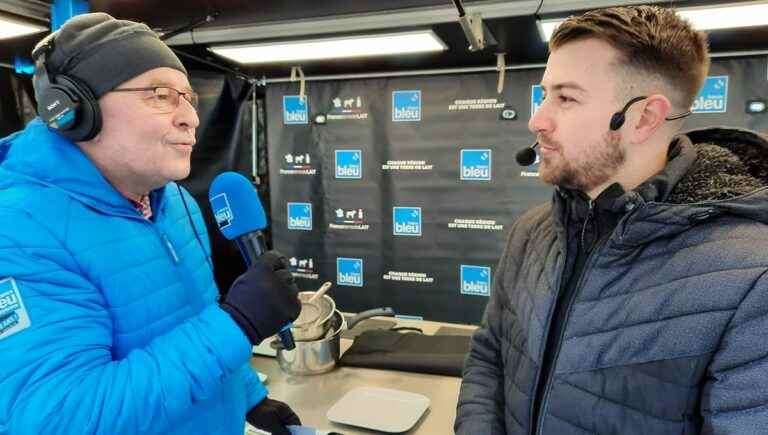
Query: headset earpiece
point(88, 116)
point(65, 104)
point(617, 120)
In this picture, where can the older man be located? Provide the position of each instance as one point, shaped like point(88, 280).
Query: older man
point(108, 314)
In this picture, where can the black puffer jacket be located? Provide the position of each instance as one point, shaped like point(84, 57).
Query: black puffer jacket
point(667, 332)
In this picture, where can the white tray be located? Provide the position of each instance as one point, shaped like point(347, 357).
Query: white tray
point(379, 409)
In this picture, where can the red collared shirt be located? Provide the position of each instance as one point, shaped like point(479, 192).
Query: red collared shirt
point(142, 206)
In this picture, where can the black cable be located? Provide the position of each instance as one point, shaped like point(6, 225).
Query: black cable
point(536, 14)
point(215, 65)
point(459, 7)
point(189, 27)
point(194, 228)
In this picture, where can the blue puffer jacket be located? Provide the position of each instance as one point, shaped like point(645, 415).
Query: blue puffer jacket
point(108, 321)
point(666, 332)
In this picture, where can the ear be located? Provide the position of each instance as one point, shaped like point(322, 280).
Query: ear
point(655, 110)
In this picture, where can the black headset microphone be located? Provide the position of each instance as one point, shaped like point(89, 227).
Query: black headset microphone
point(527, 156)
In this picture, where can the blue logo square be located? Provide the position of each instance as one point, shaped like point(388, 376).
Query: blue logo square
point(349, 271)
point(406, 106)
point(300, 216)
point(475, 280)
point(13, 314)
point(713, 97)
point(221, 211)
point(10, 300)
point(295, 110)
point(349, 164)
point(537, 97)
point(406, 221)
point(475, 165)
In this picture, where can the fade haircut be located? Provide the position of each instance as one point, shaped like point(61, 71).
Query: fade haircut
point(653, 43)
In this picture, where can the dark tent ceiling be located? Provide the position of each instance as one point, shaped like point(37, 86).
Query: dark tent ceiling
point(511, 22)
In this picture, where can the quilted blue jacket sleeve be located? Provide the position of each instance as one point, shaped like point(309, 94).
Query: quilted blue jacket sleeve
point(256, 390)
point(59, 373)
point(481, 400)
point(735, 397)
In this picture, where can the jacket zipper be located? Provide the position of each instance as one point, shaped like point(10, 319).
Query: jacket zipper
point(558, 283)
point(569, 305)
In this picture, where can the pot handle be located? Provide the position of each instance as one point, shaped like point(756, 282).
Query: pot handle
point(367, 314)
point(276, 345)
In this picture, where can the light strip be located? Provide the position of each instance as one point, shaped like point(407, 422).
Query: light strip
point(10, 28)
point(728, 16)
point(547, 28)
point(702, 18)
point(333, 48)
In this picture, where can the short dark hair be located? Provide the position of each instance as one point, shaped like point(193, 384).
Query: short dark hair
point(651, 40)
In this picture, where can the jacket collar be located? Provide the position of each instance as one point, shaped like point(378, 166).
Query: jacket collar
point(710, 172)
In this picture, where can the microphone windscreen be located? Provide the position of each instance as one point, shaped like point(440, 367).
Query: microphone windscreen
point(236, 205)
point(526, 156)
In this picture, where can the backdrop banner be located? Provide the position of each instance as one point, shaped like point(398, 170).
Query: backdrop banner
point(404, 197)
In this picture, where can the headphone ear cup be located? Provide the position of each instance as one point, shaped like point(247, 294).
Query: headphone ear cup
point(88, 123)
point(58, 107)
point(617, 120)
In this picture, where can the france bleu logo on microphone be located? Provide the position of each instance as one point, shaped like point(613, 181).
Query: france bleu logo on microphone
point(406, 106)
point(475, 280)
point(13, 314)
point(295, 109)
point(349, 164)
point(476, 165)
point(300, 216)
point(222, 213)
point(349, 271)
point(406, 221)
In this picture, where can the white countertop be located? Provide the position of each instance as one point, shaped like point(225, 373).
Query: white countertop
point(311, 396)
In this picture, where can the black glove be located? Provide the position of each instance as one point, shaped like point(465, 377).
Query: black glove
point(264, 299)
point(272, 416)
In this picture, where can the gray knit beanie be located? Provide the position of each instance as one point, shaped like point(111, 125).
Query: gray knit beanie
point(104, 52)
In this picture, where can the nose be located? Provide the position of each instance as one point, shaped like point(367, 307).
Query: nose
point(541, 121)
point(186, 115)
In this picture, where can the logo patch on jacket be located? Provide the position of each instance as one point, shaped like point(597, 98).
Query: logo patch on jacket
point(13, 315)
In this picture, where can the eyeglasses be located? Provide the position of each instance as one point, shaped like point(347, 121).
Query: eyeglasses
point(163, 98)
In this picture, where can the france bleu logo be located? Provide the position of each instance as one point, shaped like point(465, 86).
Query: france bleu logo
point(475, 165)
point(349, 271)
point(713, 97)
point(349, 164)
point(406, 106)
point(537, 97)
point(295, 109)
point(300, 216)
point(406, 221)
point(475, 280)
point(221, 211)
point(13, 314)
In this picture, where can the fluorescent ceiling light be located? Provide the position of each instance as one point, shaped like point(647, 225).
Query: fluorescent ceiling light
point(727, 16)
point(547, 28)
point(703, 18)
point(10, 28)
point(333, 48)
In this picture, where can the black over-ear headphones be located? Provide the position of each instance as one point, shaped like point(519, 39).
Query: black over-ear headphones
point(617, 120)
point(64, 103)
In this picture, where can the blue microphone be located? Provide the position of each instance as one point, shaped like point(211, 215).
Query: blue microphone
point(240, 217)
